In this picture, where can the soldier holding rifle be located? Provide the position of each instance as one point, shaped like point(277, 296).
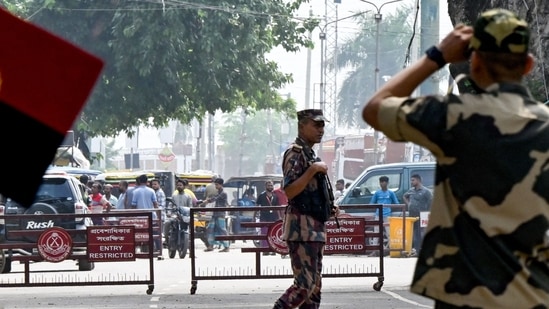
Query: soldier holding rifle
point(309, 207)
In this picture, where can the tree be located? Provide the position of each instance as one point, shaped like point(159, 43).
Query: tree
point(358, 53)
point(175, 60)
point(537, 15)
point(250, 137)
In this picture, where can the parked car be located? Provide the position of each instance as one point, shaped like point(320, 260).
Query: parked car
point(360, 192)
point(58, 194)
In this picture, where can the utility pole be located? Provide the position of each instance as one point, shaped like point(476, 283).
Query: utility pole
point(308, 76)
point(429, 36)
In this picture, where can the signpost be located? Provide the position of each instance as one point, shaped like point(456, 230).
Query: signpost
point(111, 243)
point(347, 238)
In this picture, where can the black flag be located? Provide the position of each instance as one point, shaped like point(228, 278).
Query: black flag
point(44, 83)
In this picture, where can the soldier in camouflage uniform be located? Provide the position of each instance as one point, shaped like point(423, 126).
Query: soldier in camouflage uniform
point(487, 241)
point(304, 221)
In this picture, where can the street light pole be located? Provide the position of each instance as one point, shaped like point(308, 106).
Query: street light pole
point(378, 17)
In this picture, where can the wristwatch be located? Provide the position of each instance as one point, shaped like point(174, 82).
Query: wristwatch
point(434, 54)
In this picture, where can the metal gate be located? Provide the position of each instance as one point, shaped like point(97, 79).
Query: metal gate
point(345, 243)
point(123, 236)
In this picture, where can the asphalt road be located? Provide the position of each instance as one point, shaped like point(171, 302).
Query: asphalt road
point(172, 284)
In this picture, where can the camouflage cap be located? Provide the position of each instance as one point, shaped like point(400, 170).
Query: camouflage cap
point(502, 31)
point(313, 114)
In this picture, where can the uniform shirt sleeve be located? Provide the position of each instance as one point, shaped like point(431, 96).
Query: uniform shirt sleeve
point(419, 120)
point(294, 166)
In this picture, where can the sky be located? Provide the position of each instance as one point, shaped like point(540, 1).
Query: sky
point(296, 63)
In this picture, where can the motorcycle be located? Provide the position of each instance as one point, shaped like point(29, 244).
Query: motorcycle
point(178, 233)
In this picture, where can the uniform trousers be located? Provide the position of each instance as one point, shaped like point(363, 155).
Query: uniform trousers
point(306, 260)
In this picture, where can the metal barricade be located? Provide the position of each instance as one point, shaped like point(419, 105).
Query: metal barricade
point(345, 250)
point(121, 237)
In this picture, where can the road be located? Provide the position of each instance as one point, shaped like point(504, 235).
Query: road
point(172, 283)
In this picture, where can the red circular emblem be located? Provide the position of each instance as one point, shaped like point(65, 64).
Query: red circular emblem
point(275, 238)
point(54, 244)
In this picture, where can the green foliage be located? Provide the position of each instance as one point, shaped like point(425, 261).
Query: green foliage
point(358, 55)
point(174, 60)
point(250, 138)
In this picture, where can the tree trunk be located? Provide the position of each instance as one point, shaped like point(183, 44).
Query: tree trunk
point(536, 14)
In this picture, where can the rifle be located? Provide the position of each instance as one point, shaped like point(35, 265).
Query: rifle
point(323, 179)
point(328, 192)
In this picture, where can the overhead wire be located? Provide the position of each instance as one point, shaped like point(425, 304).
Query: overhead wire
point(407, 58)
point(184, 5)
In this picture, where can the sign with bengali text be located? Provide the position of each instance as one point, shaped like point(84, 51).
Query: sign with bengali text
point(139, 223)
point(111, 243)
point(424, 218)
point(347, 238)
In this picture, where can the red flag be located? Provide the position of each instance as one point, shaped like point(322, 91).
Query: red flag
point(44, 83)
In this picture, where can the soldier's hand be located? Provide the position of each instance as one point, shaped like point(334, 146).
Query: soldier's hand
point(320, 167)
point(455, 45)
point(335, 211)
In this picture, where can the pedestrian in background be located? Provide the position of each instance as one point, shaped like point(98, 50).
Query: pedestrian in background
point(304, 222)
point(385, 197)
point(109, 196)
point(129, 194)
point(218, 225)
point(486, 244)
point(210, 190)
point(98, 203)
point(122, 188)
point(161, 201)
point(267, 198)
point(417, 199)
point(87, 190)
point(339, 187)
point(282, 199)
point(181, 200)
point(144, 197)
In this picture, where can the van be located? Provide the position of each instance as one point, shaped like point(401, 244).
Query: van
point(360, 192)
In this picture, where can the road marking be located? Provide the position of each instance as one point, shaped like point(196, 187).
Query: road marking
point(406, 300)
point(155, 298)
point(227, 306)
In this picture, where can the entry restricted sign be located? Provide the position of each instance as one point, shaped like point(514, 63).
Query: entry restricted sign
point(347, 238)
point(111, 243)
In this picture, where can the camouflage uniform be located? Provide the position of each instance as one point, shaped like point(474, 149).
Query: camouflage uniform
point(305, 237)
point(487, 243)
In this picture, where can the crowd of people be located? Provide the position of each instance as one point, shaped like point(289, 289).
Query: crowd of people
point(148, 194)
